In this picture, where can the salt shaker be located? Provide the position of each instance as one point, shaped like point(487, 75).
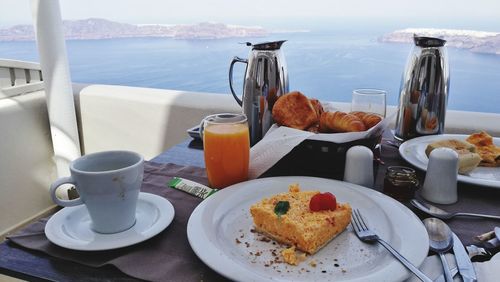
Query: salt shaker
point(440, 185)
point(359, 166)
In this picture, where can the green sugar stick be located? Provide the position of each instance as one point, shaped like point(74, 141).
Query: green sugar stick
point(191, 187)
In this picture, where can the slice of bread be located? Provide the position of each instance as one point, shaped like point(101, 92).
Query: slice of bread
point(468, 159)
point(454, 144)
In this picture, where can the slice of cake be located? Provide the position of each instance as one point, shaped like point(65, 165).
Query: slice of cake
point(307, 220)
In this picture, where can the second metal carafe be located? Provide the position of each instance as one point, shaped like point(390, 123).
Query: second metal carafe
point(266, 79)
point(424, 90)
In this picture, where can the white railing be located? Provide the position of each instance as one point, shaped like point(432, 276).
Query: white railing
point(18, 77)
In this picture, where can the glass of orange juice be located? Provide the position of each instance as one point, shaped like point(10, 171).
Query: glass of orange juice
point(226, 145)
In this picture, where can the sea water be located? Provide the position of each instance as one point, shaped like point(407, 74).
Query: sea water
point(326, 65)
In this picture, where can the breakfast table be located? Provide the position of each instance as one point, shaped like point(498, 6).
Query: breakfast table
point(27, 254)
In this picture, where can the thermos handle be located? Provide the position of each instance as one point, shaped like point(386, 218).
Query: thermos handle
point(235, 60)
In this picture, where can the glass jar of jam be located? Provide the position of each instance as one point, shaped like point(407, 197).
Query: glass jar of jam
point(400, 182)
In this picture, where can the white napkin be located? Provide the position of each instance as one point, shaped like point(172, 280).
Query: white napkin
point(280, 140)
point(485, 271)
point(488, 270)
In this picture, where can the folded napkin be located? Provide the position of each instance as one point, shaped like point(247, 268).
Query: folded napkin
point(278, 142)
point(488, 271)
point(165, 257)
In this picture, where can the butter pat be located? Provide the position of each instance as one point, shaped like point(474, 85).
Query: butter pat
point(191, 187)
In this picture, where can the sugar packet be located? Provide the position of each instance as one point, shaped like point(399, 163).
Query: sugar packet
point(191, 187)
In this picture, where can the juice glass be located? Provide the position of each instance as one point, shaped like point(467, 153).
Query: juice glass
point(226, 145)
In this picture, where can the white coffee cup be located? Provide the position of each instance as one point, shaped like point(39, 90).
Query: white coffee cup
point(108, 184)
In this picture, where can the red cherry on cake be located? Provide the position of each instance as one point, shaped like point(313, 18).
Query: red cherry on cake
point(322, 202)
point(315, 203)
point(329, 201)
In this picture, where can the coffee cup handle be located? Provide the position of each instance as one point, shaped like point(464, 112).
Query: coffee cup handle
point(58, 201)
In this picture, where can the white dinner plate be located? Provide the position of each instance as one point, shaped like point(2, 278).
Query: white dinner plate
point(413, 151)
point(70, 227)
point(220, 231)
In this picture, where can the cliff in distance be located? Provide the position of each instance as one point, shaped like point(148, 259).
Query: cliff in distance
point(95, 28)
point(475, 41)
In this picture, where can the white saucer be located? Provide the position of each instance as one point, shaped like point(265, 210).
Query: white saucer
point(70, 227)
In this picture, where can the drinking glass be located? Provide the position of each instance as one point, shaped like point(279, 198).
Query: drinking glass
point(369, 100)
point(226, 145)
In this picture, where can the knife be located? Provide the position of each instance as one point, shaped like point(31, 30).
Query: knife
point(464, 264)
point(440, 278)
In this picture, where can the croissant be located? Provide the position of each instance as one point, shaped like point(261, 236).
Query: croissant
point(317, 106)
point(340, 122)
point(294, 110)
point(370, 120)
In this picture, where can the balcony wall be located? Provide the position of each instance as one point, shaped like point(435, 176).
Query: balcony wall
point(151, 120)
point(26, 164)
point(144, 120)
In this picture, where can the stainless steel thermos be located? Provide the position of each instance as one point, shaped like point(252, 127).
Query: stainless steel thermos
point(266, 79)
point(423, 94)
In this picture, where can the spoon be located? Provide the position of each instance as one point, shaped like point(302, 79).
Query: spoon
point(439, 213)
point(440, 241)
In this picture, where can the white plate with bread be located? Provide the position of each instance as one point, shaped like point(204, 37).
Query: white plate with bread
point(475, 167)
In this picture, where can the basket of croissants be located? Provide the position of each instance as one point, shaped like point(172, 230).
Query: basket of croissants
point(318, 155)
point(297, 111)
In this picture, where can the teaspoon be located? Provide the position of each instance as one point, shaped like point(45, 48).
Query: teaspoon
point(439, 213)
point(440, 241)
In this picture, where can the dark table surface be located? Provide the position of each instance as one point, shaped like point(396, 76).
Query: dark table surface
point(36, 266)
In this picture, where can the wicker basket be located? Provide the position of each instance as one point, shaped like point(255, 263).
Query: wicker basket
point(317, 158)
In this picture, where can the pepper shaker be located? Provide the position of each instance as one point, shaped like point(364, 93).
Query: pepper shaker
point(359, 166)
point(440, 185)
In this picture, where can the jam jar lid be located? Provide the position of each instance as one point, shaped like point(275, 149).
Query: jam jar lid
point(401, 175)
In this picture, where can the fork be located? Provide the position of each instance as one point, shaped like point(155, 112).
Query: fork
point(367, 235)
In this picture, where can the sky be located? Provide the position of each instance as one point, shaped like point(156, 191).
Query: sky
point(466, 14)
